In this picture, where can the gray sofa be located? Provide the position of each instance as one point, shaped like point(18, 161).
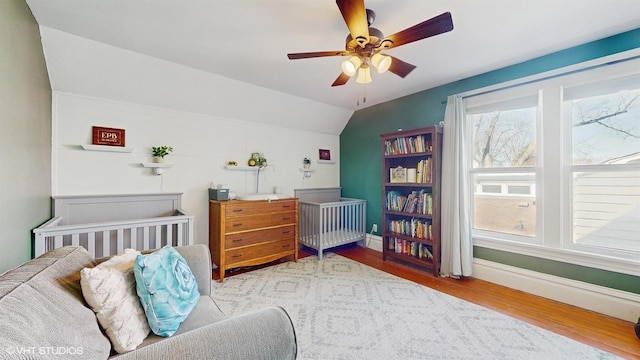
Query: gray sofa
point(43, 315)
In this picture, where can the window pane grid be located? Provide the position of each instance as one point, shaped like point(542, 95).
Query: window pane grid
point(592, 200)
point(606, 210)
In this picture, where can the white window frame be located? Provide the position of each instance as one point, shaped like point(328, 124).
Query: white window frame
point(553, 228)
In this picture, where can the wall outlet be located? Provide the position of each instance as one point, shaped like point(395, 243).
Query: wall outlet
point(374, 228)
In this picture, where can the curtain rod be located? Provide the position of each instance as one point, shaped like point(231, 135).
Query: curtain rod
point(471, 93)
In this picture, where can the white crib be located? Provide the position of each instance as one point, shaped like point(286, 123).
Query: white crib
point(327, 220)
point(107, 224)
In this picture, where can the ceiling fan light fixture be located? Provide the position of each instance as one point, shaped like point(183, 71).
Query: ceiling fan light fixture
point(364, 75)
point(381, 62)
point(351, 65)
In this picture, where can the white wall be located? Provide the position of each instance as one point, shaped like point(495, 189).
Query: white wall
point(25, 116)
point(206, 118)
point(82, 66)
point(202, 146)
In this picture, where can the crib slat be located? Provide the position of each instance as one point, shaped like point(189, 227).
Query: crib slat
point(158, 239)
point(106, 243)
point(145, 238)
point(169, 237)
point(91, 243)
point(134, 237)
point(57, 241)
point(120, 240)
point(75, 239)
point(179, 235)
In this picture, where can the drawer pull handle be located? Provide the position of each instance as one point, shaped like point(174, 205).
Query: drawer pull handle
point(236, 256)
point(286, 232)
point(237, 210)
point(286, 246)
point(286, 206)
point(286, 218)
point(236, 225)
point(236, 240)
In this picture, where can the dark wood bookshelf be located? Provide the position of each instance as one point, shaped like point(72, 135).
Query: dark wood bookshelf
point(411, 149)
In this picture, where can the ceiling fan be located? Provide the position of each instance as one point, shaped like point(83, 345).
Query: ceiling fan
point(364, 43)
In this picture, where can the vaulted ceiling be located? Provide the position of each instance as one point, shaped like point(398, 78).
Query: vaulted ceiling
point(247, 40)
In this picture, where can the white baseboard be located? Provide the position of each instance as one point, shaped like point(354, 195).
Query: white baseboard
point(374, 242)
point(616, 303)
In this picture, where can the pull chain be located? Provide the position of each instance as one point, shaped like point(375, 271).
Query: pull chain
point(364, 96)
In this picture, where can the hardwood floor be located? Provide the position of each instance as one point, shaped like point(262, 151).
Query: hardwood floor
point(600, 331)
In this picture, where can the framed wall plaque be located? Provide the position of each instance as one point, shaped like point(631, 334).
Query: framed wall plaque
point(108, 136)
point(325, 154)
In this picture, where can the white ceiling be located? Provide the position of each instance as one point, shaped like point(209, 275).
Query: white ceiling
point(247, 40)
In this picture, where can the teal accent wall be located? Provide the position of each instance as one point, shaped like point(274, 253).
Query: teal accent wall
point(360, 149)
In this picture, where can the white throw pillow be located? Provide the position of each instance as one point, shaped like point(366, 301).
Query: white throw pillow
point(110, 290)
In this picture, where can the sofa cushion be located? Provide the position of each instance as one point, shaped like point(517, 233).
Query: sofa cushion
point(205, 313)
point(167, 289)
point(110, 290)
point(43, 309)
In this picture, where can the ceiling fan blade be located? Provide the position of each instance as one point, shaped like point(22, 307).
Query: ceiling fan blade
point(400, 67)
point(341, 80)
point(307, 55)
point(355, 16)
point(434, 26)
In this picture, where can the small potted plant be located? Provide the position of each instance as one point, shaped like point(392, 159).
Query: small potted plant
point(159, 152)
point(307, 163)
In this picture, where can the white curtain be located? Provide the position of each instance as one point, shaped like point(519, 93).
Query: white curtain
point(456, 244)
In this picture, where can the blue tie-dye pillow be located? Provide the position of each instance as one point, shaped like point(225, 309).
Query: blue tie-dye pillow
point(167, 289)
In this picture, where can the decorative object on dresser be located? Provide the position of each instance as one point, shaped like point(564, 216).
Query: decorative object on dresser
point(253, 232)
point(411, 209)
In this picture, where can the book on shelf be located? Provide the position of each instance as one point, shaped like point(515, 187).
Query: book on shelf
point(420, 229)
point(420, 174)
point(417, 202)
point(410, 248)
point(423, 171)
point(407, 145)
point(395, 201)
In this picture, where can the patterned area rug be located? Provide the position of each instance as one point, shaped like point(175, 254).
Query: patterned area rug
point(342, 309)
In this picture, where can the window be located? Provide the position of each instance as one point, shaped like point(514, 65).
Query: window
point(605, 147)
point(504, 163)
point(555, 166)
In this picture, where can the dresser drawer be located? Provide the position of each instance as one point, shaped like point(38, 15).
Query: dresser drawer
point(236, 208)
point(251, 222)
point(260, 236)
point(237, 255)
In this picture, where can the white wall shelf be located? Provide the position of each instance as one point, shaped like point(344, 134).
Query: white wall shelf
point(107, 148)
point(326, 162)
point(158, 168)
point(244, 168)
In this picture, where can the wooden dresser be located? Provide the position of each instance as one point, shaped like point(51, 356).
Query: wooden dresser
point(245, 233)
